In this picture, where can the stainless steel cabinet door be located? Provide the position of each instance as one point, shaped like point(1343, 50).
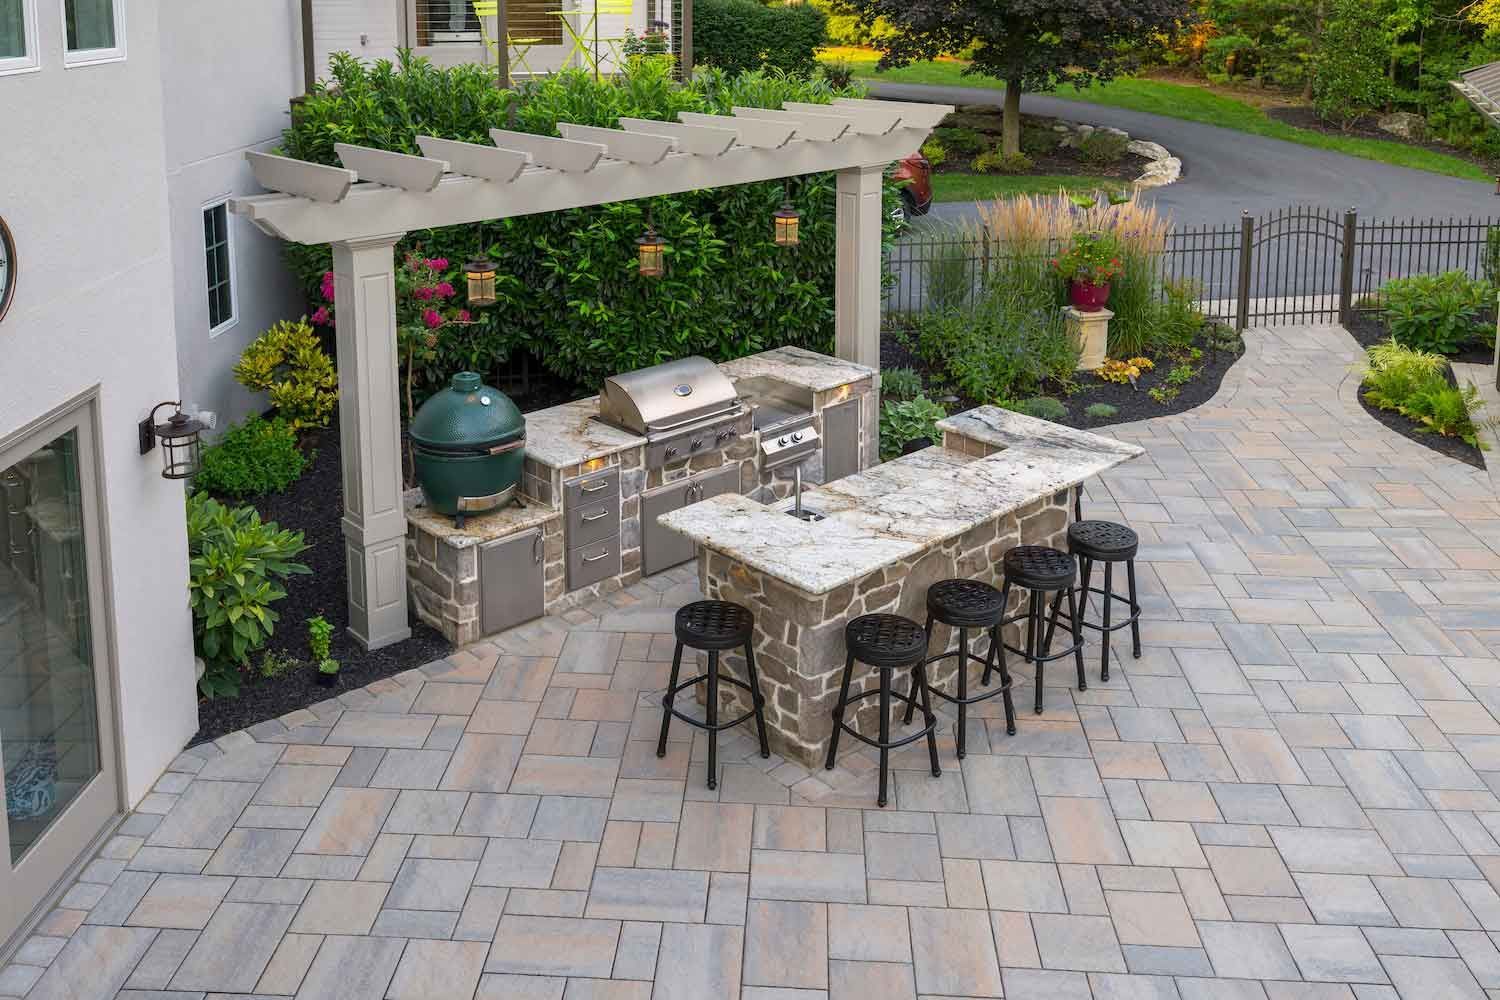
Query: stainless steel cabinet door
point(662, 548)
point(510, 581)
point(841, 444)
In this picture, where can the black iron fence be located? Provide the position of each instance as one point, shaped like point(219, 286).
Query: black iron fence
point(1298, 264)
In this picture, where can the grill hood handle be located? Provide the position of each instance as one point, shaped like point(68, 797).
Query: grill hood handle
point(501, 449)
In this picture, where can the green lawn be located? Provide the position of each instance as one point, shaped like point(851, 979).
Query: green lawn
point(983, 187)
point(1180, 101)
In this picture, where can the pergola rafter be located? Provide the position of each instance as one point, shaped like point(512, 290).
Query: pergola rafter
point(364, 207)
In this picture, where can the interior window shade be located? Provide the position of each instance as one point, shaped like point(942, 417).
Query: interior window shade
point(12, 30)
point(91, 24)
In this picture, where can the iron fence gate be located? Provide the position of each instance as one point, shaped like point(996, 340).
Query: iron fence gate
point(1298, 264)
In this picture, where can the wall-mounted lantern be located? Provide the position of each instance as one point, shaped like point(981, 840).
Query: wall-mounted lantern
point(787, 219)
point(481, 278)
point(650, 249)
point(181, 447)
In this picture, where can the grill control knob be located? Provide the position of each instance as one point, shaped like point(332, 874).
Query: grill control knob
point(781, 441)
point(796, 436)
point(671, 451)
point(695, 444)
point(724, 435)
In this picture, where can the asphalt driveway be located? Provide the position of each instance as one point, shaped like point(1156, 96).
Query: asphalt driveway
point(1227, 171)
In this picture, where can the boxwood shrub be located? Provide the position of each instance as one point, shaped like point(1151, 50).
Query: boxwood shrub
point(567, 282)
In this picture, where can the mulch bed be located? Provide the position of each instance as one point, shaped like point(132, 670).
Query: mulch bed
point(314, 505)
point(1452, 447)
point(1303, 116)
point(1063, 160)
point(1369, 329)
point(1132, 403)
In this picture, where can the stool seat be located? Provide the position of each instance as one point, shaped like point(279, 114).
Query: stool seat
point(1038, 567)
point(710, 625)
point(965, 603)
point(1103, 541)
point(885, 640)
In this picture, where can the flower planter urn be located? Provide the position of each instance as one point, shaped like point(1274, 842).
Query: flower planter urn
point(1085, 296)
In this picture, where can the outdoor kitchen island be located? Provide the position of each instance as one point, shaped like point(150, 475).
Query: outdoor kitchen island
point(998, 479)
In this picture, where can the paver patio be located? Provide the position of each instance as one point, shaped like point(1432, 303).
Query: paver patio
point(1290, 795)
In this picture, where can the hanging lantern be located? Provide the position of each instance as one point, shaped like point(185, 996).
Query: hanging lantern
point(181, 448)
point(787, 219)
point(651, 251)
point(481, 276)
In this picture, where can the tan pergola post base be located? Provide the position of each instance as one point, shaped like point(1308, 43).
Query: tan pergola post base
point(364, 278)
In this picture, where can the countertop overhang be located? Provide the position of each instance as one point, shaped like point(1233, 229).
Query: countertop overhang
point(902, 507)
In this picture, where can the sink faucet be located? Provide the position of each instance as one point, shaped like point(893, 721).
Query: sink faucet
point(797, 489)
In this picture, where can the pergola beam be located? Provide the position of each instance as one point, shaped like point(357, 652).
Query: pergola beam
point(632, 147)
point(751, 131)
point(696, 139)
point(373, 210)
point(814, 128)
point(560, 154)
point(314, 181)
point(487, 162)
point(868, 121)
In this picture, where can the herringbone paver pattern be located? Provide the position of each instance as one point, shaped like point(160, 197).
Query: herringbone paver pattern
point(1290, 795)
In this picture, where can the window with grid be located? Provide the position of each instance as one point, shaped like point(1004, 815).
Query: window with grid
point(219, 257)
point(442, 22)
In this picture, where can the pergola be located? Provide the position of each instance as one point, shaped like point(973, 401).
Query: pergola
point(364, 207)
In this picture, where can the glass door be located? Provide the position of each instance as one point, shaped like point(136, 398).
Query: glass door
point(56, 745)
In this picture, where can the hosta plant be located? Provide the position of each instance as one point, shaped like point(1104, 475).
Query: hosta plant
point(236, 564)
point(908, 420)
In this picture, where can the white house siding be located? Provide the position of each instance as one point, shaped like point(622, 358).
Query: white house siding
point(84, 193)
point(370, 29)
point(229, 69)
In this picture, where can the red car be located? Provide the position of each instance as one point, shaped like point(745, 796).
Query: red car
point(914, 177)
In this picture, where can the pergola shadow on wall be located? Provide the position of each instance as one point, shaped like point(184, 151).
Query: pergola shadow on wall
point(364, 207)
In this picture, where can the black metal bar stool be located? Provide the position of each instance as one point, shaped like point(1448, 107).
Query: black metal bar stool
point(1041, 569)
point(886, 642)
point(713, 626)
point(1108, 543)
point(965, 605)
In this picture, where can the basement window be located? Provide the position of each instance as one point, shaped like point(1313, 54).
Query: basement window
point(218, 252)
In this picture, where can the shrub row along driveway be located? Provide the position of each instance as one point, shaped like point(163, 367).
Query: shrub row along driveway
point(1227, 171)
point(1293, 784)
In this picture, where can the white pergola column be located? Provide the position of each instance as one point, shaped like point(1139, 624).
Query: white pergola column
point(856, 288)
point(364, 279)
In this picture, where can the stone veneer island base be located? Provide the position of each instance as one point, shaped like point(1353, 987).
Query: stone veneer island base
point(999, 479)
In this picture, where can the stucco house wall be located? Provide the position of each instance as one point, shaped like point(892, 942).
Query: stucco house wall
point(218, 101)
point(86, 199)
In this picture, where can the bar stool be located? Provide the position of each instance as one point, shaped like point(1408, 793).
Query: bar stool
point(965, 605)
point(1108, 543)
point(885, 642)
point(1040, 570)
point(713, 626)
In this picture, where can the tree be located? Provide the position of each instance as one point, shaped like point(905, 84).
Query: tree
point(1030, 44)
point(1351, 72)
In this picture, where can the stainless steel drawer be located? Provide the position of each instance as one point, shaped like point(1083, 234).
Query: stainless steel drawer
point(593, 562)
point(592, 522)
point(592, 487)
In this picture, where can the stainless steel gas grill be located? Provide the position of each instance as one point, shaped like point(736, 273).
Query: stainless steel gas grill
point(682, 408)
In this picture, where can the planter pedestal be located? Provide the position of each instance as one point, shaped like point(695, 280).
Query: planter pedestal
point(1090, 331)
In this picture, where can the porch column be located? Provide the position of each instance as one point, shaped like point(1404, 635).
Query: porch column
point(856, 296)
point(364, 277)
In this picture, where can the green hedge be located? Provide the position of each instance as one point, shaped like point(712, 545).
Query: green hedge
point(567, 281)
point(739, 35)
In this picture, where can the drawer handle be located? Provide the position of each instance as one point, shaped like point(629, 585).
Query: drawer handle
point(594, 517)
point(536, 548)
point(595, 487)
point(602, 555)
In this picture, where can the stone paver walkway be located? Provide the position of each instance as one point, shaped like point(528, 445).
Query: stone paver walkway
point(1291, 795)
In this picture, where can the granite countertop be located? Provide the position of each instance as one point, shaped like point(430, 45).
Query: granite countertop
point(799, 367)
point(478, 528)
point(903, 507)
point(571, 434)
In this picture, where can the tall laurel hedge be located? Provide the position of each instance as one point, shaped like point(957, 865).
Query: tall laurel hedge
point(568, 287)
point(739, 35)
